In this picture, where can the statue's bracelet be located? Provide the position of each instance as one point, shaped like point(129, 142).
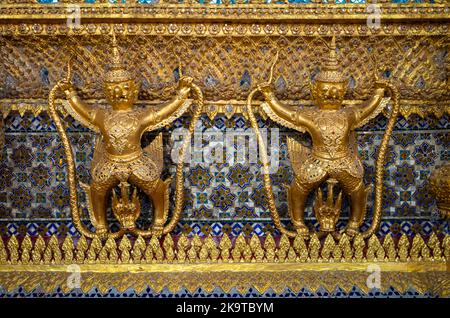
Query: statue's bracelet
point(70, 93)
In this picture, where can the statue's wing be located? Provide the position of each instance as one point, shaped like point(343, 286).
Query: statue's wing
point(266, 108)
point(156, 153)
point(99, 150)
point(68, 109)
point(374, 114)
point(353, 144)
point(298, 154)
point(181, 110)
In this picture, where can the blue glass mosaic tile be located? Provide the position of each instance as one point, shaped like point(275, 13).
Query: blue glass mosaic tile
point(219, 293)
point(34, 159)
point(259, 227)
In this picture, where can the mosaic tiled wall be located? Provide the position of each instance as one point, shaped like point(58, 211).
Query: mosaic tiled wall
point(233, 1)
point(219, 293)
point(220, 198)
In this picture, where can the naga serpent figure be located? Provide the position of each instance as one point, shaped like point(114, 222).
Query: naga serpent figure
point(334, 155)
point(118, 156)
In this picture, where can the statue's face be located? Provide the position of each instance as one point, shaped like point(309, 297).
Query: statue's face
point(329, 95)
point(122, 95)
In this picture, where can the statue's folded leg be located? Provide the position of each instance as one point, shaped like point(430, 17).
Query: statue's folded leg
point(157, 190)
point(354, 187)
point(99, 191)
point(160, 197)
point(298, 193)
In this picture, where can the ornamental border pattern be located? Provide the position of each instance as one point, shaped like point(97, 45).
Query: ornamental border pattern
point(214, 108)
point(436, 282)
point(225, 20)
point(20, 28)
point(248, 12)
point(61, 228)
point(209, 264)
point(355, 292)
point(170, 249)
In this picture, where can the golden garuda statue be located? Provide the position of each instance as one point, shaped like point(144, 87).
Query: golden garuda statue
point(333, 156)
point(119, 159)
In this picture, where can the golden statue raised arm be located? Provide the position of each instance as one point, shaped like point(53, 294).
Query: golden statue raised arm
point(334, 156)
point(118, 156)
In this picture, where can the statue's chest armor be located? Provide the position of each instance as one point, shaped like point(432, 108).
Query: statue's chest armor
point(119, 126)
point(333, 129)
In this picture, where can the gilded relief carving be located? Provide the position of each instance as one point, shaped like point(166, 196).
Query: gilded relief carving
point(439, 184)
point(229, 67)
point(226, 224)
point(118, 156)
point(334, 153)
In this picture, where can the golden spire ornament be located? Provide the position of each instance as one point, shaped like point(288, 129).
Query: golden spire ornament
point(331, 70)
point(117, 71)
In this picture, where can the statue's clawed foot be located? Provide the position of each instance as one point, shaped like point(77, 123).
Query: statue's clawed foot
point(102, 232)
point(157, 230)
point(301, 228)
point(352, 230)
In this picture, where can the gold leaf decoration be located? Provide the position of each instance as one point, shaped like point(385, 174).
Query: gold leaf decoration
point(269, 247)
point(3, 253)
point(67, 248)
point(225, 247)
point(125, 248)
point(211, 250)
point(255, 246)
point(403, 248)
point(434, 244)
point(82, 247)
point(283, 248)
point(38, 250)
point(183, 245)
point(94, 249)
point(358, 247)
point(52, 253)
point(327, 248)
point(389, 248)
point(26, 246)
point(138, 250)
point(416, 248)
point(346, 248)
point(168, 245)
point(314, 248)
point(239, 247)
point(300, 248)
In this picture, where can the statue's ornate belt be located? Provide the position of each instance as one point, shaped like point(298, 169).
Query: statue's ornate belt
point(124, 158)
point(336, 156)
